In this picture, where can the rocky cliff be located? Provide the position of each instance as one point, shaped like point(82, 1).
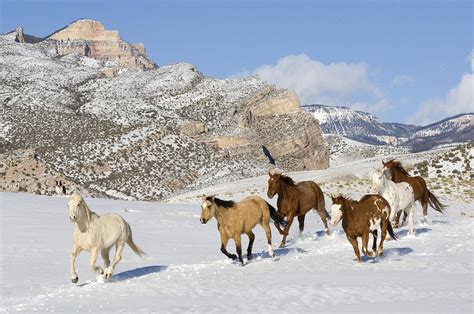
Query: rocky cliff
point(141, 134)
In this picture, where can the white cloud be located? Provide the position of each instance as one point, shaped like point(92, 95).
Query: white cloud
point(458, 100)
point(402, 81)
point(315, 82)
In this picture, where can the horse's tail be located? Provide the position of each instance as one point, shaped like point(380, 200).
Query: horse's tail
point(390, 230)
point(435, 203)
point(133, 246)
point(275, 216)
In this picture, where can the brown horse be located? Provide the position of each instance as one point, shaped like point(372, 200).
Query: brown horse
point(422, 194)
point(360, 218)
point(235, 219)
point(295, 200)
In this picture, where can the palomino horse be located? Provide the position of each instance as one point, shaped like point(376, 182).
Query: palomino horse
point(399, 195)
point(360, 218)
point(96, 234)
point(295, 200)
point(235, 219)
point(422, 194)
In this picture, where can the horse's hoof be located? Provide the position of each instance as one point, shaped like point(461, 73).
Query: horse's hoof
point(379, 253)
point(75, 280)
point(249, 257)
point(233, 256)
point(101, 271)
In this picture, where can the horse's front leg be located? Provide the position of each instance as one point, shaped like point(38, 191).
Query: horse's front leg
point(277, 225)
point(224, 240)
point(117, 258)
point(75, 251)
point(287, 229)
point(93, 260)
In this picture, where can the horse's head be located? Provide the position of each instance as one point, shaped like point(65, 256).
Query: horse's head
point(273, 183)
point(74, 205)
point(208, 208)
point(337, 208)
point(377, 181)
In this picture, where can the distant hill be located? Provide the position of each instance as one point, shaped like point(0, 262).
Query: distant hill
point(365, 127)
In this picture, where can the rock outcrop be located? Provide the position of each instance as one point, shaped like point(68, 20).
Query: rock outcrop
point(142, 135)
point(90, 38)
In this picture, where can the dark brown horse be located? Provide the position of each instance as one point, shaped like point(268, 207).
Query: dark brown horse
point(360, 218)
point(295, 200)
point(420, 189)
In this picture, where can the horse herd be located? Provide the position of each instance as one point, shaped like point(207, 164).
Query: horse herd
point(394, 191)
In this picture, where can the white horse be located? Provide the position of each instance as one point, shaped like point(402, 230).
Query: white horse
point(400, 196)
point(94, 233)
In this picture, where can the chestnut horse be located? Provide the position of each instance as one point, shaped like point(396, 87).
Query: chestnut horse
point(422, 194)
point(360, 218)
point(295, 200)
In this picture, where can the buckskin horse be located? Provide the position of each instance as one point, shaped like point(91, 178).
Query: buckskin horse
point(237, 218)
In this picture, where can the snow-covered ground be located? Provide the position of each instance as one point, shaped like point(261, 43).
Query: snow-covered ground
point(184, 270)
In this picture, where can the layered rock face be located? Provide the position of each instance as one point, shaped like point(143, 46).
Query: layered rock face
point(90, 38)
point(144, 135)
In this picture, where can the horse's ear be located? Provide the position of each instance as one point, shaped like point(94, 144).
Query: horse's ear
point(383, 163)
point(203, 197)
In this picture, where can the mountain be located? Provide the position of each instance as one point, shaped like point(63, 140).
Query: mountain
point(142, 133)
point(459, 128)
point(89, 38)
point(365, 127)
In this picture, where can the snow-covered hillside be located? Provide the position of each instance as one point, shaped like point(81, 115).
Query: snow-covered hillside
point(184, 270)
point(141, 134)
point(365, 127)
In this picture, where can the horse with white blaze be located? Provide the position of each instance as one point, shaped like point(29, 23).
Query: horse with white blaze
point(94, 233)
point(360, 218)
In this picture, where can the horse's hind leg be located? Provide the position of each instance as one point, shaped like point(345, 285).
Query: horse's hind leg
point(365, 244)
point(238, 247)
point(301, 222)
point(118, 256)
point(374, 243)
point(411, 210)
point(268, 233)
point(251, 236)
point(383, 226)
point(105, 257)
point(324, 218)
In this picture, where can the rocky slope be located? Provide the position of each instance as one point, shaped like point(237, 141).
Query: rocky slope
point(141, 134)
point(89, 38)
point(365, 127)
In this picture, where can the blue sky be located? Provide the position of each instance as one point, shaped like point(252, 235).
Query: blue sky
point(405, 61)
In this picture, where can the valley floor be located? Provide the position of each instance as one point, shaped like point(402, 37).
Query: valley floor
point(184, 270)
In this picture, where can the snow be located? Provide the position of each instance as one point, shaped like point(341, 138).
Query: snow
point(184, 271)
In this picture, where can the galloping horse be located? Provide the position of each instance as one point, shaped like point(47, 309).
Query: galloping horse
point(399, 195)
point(96, 234)
point(235, 219)
point(360, 218)
point(422, 194)
point(295, 200)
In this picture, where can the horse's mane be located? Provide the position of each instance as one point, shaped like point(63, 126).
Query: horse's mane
point(344, 197)
point(287, 180)
point(397, 165)
point(221, 203)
